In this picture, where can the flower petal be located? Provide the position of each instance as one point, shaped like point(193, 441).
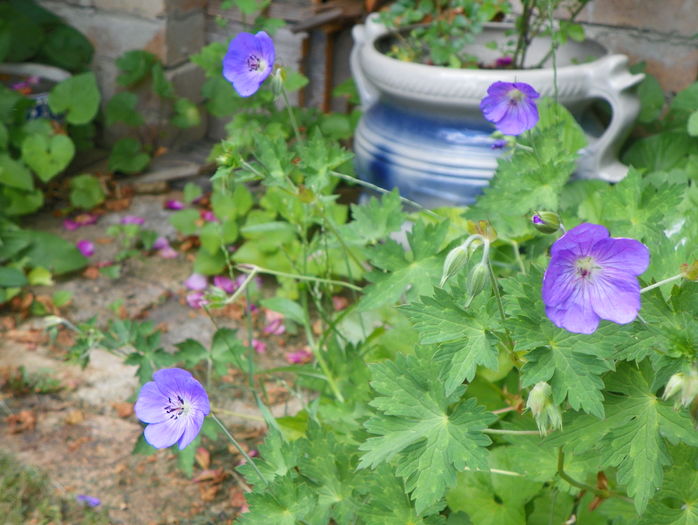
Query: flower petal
point(521, 116)
point(580, 239)
point(151, 403)
point(172, 380)
point(626, 256)
point(165, 434)
point(192, 427)
point(616, 300)
point(575, 315)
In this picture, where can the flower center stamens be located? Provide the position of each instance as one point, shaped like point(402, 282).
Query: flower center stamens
point(254, 63)
point(177, 408)
point(586, 267)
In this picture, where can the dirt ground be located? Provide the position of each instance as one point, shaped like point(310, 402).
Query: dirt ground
point(82, 435)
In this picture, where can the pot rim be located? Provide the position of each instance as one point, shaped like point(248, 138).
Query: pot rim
point(603, 51)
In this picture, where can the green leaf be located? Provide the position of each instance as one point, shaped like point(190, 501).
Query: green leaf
point(491, 499)
point(61, 298)
point(134, 66)
point(209, 263)
point(651, 97)
point(415, 422)
point(532, 180)
point(210, 59)
point(375, 219)
point(47, 156)
point(633, 436)
point(11, 277)
point(67, 48)
point(53, 253)
point(693, 124)
point(122, 107)
point(78, 96)
point(227, 349)
point(283, 502)
point(221, 98)
point(192, 192)
point(86, 191)
point(40, 276)
point(127, 156)
point(284, 306)
point(660, 152)
point(420, 269)
point(186, 115)
point(15, 174)
point(161, 86)
point(185, 221)
point(467, 336)
point(20, 202)
point(677, 501)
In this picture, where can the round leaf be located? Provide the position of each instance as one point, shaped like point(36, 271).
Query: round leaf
point(78, 96)
point(47, 156)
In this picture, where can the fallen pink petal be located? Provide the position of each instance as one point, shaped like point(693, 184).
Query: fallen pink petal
point(174, 204)
point(299, 357)
point(209, 216)
point(196, 300)
point(87, 248)
point(168, 253)
point(132, 219)
point(259, 346)
point(161, 243)
point(224, 283)
point(196, 281)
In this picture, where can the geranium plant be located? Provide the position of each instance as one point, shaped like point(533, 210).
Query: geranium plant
point(438, 31)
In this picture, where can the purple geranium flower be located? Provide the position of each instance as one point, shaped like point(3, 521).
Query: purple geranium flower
point(510, 107)
point(248, 62)
point(174, 405)
point(87, 248)
point(593, 276)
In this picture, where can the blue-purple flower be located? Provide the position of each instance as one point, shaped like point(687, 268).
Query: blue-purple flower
point(592, 276)
point(248, 62)
point(511, 107)
point(90, 501)
point(174, 405)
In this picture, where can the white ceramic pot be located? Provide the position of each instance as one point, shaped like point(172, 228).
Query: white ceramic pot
point(422, 129)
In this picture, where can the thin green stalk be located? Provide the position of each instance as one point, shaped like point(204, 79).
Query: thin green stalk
point(598, 492)
point(496, 471)
point(373, 187)
point(511, 432)
point(291, 116)
point(517, 256)
point(238, 414)
point(661, 283)
point(500, 306)
point(250, 267)
point(240, 449)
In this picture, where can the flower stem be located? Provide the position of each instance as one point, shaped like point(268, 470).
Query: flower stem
point(661, 283)
point(596, 491)
point(240, 449)
point(496, 471)
point(256, 269)
point(291, 116)
point(238, 414)
point(517, 256)
point(511, 432)
point(373, 187)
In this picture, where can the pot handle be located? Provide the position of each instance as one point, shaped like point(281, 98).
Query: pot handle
point(611, 81)
point(363, 35)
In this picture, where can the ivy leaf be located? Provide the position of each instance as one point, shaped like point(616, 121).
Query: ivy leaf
point(127, 156)
point(415, 423)
point(633, 436)
point(47, 156)
point(420, 269)
point(15, 174)
point(122, 107)
point(86, 191)
point(134, 66)
point(467, 335)
point(78, 96)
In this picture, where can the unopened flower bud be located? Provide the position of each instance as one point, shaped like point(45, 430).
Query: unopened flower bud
point(278, 78)
point(458, 257)
point(686, 385)
point(546, 221)
point(547, 415)
point(477, 280)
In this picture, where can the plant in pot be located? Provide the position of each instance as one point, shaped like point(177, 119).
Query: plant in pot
point(421, 88)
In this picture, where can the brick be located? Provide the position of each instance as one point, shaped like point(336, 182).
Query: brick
point(672, 60)
point(187, 80)
point(151, 8)
point(183, 37)
point(668, 16)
